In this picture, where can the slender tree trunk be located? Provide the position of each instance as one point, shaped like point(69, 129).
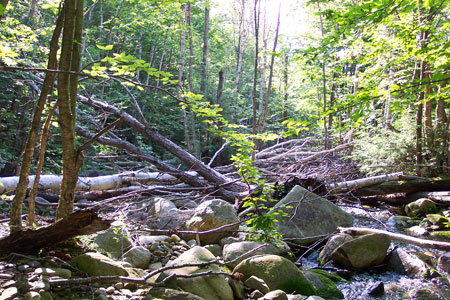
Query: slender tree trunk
point(262, 75)
point(40, 164)
point(204, 74)
point(180, 79)
point(256, 12)
point(33, 9)
point(286, 86)
point(269, 86)
point(239, 56)
point(387, 108)
point(16, 206)
point(67, 98)
point(324, 82)
point(419, 118)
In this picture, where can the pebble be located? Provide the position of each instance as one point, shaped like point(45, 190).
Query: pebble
point(158, 252)
point(192, 243)
point(110, 290)
point(32, 296)
point(9, 293)
point(118, 285)
point(175, 238)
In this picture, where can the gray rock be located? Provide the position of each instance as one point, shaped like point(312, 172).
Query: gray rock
point(256, 283)
point(403, 262)
point(45, 295)
point(211, 215)
point(169, 294)
point(234, 250)
point(307, 213)
point(9, 293)
point(420, 207)
point(278, 273)
point(437, 220)
point(114, 241)
point(96, 264)
point(444, 262)
point(138, 257)
point(163, 206)
point(147, 240)
point(215, 249)
point(332, 244)
point(275, 295)
point(210, 287)
point(314, 298)
point(256, 295)
point(362, 252)
point(401, 221)
point(230, 240)
point(416, 231)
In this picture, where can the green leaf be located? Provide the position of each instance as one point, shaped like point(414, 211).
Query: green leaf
point(107, 47)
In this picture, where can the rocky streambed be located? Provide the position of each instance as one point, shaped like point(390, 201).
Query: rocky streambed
point(153, 252)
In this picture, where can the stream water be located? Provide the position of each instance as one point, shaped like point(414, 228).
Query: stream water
point(396, 286)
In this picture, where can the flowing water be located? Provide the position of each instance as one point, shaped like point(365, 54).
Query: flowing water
point(396, 286)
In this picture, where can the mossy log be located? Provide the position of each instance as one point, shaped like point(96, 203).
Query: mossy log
point(29, 241)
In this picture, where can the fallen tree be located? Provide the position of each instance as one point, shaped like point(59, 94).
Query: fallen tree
point(28, 241)
point(53, 182)
point(397, 237)
point(410, 186)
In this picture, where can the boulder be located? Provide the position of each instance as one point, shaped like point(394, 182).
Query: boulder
point(275, 295)
point(210, 287)
point(96, 264)
point(278, 273)
point(234, 250)
point(237, 286)
point(113, 241)
point(325, 287)
point(138, 257)
point(401, 221)
point(147, 240)
point(332, 244)
point(211, 215)
point(444, 262)
point(308, 213)
point(438, 220)
point(403, 262)
point(420, 207)
point(362, 252)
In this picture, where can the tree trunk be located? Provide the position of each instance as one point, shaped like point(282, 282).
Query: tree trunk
point(3, 4)
point(256, 12)
point(67, 98)
point(81, 222)
point(324, 82)
point(269, 86)
point(16, 206)
point(204, 72)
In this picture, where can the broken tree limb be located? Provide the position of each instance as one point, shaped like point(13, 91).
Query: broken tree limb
point(410, 186)
point(397, 237)
point(78, 223)
point(53, 182)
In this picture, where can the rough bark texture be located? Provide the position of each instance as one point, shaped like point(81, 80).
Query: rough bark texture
point(67, 96)
point(205, 52)
point(29, 241)
point(16, 206)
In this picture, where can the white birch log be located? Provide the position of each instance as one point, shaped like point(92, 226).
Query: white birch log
point(108, 182)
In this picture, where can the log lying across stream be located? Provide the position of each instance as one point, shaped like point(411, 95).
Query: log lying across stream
point(398, 237)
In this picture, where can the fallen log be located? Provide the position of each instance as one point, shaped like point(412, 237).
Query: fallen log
point(410, 186)
point(53, 182)
point(29, 241)
point(397, 237)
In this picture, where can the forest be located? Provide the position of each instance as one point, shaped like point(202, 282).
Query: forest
point(104, 104)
